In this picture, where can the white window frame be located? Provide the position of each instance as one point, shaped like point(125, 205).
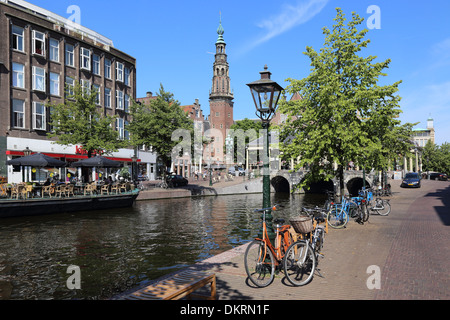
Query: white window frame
point(119, 71)
point(108, 98)
point(18, 74)
point(126, 103)
point(42, 115)
point(120, 128)
point(54, 84)
point(54, 50)
point(38, 37)
point(85, 58)
point(69, 55)
point(96, 64)
point(108, 68)
point(18, 115)
point(19, 38)
point(127, 76)
point(85, 86)
point(70, 85)
point(39, 73)
point(119, 100)
point(96, 87)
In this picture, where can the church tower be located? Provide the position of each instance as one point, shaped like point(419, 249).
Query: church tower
point(220, 98)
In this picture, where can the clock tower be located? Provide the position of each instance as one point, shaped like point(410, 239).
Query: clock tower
point(220, 99)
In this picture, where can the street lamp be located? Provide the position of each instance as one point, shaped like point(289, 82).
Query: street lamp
point(266, 94)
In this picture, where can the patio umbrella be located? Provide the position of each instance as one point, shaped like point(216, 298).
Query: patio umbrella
point(37, 160)
point(97, 161)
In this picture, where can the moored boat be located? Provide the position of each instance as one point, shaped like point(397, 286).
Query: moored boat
point(42, 206)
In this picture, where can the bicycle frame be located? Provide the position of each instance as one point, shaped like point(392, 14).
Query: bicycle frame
point(281, 233)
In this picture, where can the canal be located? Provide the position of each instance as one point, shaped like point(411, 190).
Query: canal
point(119, 249)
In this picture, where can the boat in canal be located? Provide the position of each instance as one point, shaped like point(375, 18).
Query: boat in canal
point(42, 206)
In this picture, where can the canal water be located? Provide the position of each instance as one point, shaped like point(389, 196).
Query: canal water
point(119, 249)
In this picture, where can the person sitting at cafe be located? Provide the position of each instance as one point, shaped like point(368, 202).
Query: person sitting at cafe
point(47, 182)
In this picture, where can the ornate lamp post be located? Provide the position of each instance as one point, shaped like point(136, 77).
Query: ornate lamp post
point(266, 94)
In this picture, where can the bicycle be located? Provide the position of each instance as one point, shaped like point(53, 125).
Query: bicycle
point(261, 257)
point(381, 206)
point(338, 214)
point(301, 260)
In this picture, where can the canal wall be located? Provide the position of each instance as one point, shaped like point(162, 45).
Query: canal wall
point(203, 189)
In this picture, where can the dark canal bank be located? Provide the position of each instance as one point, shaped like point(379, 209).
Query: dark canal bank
point(123, 248)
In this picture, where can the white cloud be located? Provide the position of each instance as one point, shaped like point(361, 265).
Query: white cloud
point(289, 17)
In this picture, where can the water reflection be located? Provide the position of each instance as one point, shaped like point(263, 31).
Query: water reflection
point(119, 249)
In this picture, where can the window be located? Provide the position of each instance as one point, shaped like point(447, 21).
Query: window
point(119, 100)
point(107, 98)
point(54, 50)
point(96, 64)
point(217, 114)
point(126, 102)
point(96, 89)
point(18, 75)
point(120, 127)
point(54, 84)
point(38, 79)
point(17, 38)
point(119, 71)
point(127, 76)
point(126, 132)
point(38, 43)
point(85, 59)
point(70, 84)
point(85, 86)
point(39, 122)
point(108, 68)
point(18, 113)
point(69, 55)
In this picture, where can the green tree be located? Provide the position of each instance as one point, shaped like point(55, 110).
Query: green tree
point(154, 124)
point(79, 121)
point(243, 132)
point(343, 112)
point(436, 158)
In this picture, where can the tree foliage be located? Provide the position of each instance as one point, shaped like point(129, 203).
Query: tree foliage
point(153, 124)
point(79, 121)
point(436, 158)
point(344, 115)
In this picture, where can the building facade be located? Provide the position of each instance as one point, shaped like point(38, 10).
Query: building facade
point(421, 136)
point(41, 55)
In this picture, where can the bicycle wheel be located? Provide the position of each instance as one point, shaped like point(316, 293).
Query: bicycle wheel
point(299, 263)
point(383, 207)
point(365, 212)
point(259, 264)
point(337, 217)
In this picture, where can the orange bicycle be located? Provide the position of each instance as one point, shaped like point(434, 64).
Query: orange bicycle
point(261, 257)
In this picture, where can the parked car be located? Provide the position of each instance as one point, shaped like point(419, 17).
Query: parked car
point(177, 180)
point(411, 180)
point(236, 172)
point(438, 176)
point(142, 177)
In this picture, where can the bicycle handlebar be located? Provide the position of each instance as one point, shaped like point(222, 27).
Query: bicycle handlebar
point(274, 208)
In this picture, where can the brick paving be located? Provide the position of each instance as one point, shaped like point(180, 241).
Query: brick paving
point(410, 246)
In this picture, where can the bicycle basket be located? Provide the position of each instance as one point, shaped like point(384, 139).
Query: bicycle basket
point(302, 224)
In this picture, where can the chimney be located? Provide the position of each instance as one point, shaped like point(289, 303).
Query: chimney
point(149, 94)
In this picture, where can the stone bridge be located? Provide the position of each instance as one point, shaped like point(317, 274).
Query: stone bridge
point(285, 181)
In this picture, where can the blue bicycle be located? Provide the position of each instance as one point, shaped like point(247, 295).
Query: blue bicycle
point(338, 214)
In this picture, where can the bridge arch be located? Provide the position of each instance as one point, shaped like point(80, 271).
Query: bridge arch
point(355, 184)
point(280, 184)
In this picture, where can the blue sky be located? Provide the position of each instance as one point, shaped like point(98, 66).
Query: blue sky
point(173, 42)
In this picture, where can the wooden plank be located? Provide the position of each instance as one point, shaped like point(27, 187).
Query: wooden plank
point(176, 287)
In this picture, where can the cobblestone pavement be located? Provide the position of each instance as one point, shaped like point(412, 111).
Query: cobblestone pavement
point(410, 247)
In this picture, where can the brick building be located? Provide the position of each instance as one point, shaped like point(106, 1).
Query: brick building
point(40, 54)
point(220, 102)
